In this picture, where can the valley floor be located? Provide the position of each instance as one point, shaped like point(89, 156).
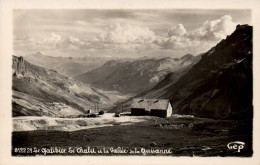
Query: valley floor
point(181, 135)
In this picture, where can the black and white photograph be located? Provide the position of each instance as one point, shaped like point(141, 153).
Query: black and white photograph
point(155, 82)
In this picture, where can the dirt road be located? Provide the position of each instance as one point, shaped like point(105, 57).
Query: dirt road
point(31, 123)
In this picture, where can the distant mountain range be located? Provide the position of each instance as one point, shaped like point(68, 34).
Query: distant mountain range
point(219, 86)
point(68, 66)
point(138, 75)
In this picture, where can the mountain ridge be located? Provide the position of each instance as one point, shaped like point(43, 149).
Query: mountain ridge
point(188, 94)
point(134, 76)
point(68, 66)
point(37, 89)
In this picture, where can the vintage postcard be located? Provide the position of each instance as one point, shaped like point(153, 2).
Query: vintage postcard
point(132, 81)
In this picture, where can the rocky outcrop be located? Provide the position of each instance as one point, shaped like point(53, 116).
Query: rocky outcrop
point(18, 67)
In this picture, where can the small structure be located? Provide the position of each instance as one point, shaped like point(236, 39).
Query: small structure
point(153, 107)
point(117, 114)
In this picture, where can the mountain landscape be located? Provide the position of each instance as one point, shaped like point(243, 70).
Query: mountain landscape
point(218, 86)
point(146, 82)
point(38, 91)
point(211, 96)
point(138, 75)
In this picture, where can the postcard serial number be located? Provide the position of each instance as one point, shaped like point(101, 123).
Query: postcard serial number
point(23, 150)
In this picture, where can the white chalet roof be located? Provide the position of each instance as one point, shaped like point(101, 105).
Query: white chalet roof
point(161, 104)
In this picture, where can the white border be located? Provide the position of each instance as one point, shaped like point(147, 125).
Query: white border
point(5, 77)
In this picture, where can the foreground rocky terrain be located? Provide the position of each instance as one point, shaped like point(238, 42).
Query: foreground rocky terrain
point(181, 135)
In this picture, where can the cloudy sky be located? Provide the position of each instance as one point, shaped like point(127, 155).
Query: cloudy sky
point(122, 33)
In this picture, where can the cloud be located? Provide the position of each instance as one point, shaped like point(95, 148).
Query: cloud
point(70, 42)
point(80, 22)
point(214, 30)
point(22, 41)
point(116, 36)
point(37, 43)
point(74, 43)
point(50, 42)
point(202, 38)
point(178, 30)
point(126, 34)
point(128, 38)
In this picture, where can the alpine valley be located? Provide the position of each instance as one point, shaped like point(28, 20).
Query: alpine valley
point(71, 102)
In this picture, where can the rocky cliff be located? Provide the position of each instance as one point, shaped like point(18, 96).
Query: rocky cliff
point(18, 66)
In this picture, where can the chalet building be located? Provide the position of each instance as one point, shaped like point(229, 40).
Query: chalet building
point(153, 107)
